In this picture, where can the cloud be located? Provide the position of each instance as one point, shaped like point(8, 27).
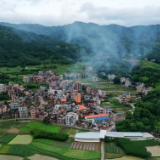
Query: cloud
point(60, 12)
point(123, 16)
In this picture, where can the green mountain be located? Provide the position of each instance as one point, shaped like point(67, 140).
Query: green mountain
point(106, 40)
point(147, 72)
point(24, 48)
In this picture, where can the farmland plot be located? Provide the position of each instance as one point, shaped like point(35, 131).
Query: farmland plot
point(8, 157)
point(62, 144)
point(128, 158)
point(86, 146)
point(22, 139)
point(7, 138)
point(46, 141)
point(44, 127)
point(40, 157)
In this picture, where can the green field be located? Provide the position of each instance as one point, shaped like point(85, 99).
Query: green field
point(42, 126)
point(74, 153)
point(40, 157)
point(21, 139)
point(7, 138)
point(154, 158)
point(113, 151)
point(62, 144)
point(72, 132)
point(46, 141)
point(148, 64)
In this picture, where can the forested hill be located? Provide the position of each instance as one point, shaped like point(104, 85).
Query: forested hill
point(24, 48)
point(105, 40)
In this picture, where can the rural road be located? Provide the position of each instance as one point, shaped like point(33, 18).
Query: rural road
point(102, 151)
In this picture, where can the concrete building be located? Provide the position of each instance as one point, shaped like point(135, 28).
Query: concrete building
point(26, 79)
point(23, 112)
point(78, 85)
point(71, 118)
point(2, 88)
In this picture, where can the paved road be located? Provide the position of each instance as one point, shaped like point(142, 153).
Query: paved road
point(102, 151)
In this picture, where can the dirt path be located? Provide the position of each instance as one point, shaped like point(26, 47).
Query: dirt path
point(102, 151)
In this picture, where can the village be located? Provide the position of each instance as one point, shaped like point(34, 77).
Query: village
point(65, 102)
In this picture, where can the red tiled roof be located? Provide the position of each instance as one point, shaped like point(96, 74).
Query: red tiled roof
point(98, 115)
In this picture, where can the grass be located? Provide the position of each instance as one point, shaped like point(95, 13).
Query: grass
point(7, 138)
point(148, 64)
point(21, 139)
point(81, 154)
point(154, 158)
point(42, 126)
point(46, 141)
point(72, 131)
point(11, 124)
point(25, 129)
point(2, 134)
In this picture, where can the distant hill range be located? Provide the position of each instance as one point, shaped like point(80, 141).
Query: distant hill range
point(109, 44)
point(106, 39)
point(19, 47)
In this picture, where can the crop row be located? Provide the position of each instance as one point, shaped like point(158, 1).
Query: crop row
point(46, 141)
point(111, 149)
point(19, 150)
point(52, 154)
point(7, 138)
point(62, 144)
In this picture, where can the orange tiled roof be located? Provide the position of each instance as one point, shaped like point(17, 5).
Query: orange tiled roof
point(9, 101)
point(63, 100)
point(81, 107)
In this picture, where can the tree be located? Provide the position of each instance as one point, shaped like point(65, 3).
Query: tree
point(116, 80)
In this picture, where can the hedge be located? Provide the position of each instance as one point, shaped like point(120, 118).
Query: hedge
point(135, 148)
point(37, 133)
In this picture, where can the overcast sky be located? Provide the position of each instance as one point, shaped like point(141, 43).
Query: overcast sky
point(60, 12)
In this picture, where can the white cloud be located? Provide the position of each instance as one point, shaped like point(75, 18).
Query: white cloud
point(59, 12)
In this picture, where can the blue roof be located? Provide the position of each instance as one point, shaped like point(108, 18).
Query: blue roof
point(101, 118)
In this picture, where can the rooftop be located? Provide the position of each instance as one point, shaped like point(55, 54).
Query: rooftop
point(98, 115)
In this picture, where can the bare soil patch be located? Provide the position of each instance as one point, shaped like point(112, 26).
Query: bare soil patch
point(13, 130)
point(155, 151)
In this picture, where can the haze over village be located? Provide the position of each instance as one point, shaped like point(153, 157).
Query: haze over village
point(79, 80)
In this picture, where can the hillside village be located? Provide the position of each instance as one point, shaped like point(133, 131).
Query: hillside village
point(65, 102)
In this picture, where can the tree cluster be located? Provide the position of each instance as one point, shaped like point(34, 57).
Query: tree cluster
point(37, 133)
point(146, 116)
